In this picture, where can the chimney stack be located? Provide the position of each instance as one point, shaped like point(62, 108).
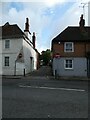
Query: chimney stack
point(26, 31)
point(33, 39)
point(27, 25)
point(82, 22)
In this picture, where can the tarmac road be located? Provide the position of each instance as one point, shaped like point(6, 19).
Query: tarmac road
point(36, 96)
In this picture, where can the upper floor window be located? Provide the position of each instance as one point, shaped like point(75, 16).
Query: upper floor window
point(6, 61)
point(68, 47)
point(7, 44)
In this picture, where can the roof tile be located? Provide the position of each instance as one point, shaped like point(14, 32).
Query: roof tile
point(11, 31)
point(73, 34)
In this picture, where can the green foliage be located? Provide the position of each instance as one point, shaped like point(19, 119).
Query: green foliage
point(46, 57)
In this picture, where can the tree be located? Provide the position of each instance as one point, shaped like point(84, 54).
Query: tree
point(46, 57)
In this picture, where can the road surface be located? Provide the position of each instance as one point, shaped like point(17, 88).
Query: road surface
point(38, 96)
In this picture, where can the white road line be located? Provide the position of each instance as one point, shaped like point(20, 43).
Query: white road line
point(51, 88)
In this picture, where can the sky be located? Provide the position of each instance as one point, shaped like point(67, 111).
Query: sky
point(47, 18)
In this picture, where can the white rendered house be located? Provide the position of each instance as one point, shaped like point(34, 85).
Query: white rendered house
point(19, 55)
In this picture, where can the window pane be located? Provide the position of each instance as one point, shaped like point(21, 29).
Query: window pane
point(70, 61)
point(68, 64)
point(6, 61)
point(7, 43)
point(66, 61)
point(68, 47)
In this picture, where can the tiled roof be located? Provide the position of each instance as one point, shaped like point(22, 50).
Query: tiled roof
point(73, 34)
point(11, 31)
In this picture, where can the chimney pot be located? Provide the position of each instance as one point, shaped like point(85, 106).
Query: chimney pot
point(27, 25)
point(27, 20)
point(33, 39)
point(82, 21)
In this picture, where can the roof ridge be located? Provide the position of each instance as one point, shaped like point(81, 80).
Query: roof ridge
point(73, 33)
point(7, 24)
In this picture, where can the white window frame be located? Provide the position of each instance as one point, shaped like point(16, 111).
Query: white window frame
point(6, 62)
point(7, 44)
point(68, 68)
point(65, 49)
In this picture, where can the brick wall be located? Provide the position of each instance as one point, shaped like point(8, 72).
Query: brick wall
point(80, 49)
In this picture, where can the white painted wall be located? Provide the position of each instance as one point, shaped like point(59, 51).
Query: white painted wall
point(15, 47)
point(79, 67)
point(29, 52)
point(12, 52)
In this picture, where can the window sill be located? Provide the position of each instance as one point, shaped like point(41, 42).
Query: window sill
point(69, 51)
point(70, 69)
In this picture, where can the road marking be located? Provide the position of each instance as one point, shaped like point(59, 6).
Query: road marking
point(51, 88)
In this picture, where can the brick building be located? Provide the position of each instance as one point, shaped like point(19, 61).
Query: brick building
point(71, 51)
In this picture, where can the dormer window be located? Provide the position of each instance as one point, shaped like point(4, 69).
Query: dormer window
point(7, 44)
point(68, 47)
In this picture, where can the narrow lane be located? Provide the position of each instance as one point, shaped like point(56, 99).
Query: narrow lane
point(42, 71)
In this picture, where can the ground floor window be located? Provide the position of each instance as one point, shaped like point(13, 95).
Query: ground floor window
point(68, 64)
point(6, 61)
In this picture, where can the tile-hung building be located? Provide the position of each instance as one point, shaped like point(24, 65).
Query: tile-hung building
point(71, 51)
point(19, 55)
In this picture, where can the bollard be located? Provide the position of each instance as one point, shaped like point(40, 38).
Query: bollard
point(24, 72)
point(55, 74)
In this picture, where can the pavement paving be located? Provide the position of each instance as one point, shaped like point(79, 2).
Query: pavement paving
point(42, 72)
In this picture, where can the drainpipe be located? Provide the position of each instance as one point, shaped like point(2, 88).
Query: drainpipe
point(15, 68)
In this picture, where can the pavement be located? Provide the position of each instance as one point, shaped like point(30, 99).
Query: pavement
point(43, 72)
point(50, 77)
